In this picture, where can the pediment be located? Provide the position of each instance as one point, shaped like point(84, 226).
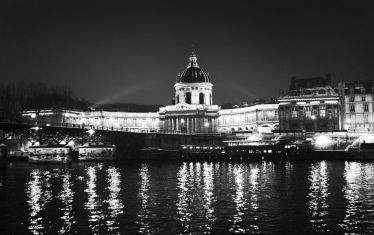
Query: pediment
point(178, 107)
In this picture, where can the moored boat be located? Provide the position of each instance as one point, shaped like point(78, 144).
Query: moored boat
point(50, 154)
point(364, 151)
point(96, 152)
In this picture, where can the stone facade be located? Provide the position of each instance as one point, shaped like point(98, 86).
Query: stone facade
point(358, 105)
point(310, 104)
point(261, 118)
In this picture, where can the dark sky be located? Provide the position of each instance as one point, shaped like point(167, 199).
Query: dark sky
point(131, 51)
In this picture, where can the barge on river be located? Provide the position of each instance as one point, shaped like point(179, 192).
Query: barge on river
point(50, 154)
point(96, 152)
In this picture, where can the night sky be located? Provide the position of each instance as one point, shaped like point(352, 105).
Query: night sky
point(132, 51)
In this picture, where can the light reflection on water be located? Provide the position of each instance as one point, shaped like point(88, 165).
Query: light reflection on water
point(114, 201)
point(94, 202)
point(146, 201)
point(246, 200)
point(202, 197)
point(359, 193)
point(66, 196)
point(39, 194)
point(318, 194)
point(195, 210)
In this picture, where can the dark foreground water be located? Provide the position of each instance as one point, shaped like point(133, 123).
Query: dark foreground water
point(174, 198)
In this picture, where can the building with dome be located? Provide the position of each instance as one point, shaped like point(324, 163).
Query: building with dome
point(193, 110)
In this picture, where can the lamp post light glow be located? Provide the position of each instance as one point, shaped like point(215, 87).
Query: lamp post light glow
point(91, 131)
point(36, 128)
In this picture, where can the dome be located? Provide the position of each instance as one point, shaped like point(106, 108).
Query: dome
point(193, 73)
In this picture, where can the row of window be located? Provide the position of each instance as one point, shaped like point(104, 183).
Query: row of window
point(250, 117)
point(352, 98)
point(192, 88)
point(352, 108)
point(311, 114)
point(187, 98)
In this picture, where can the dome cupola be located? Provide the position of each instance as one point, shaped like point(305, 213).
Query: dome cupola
point(193, 73)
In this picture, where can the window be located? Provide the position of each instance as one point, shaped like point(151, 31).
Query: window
point(294, 112)
point(329, 113)
point(322, 111)
point(352, 108)
point(366, 108)
point(177, 99)
point(308, 112)
point(363, 98)
point(201, 98)
point(352, 99)
point(188, 97)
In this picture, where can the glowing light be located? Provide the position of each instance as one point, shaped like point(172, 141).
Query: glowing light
point(36, 128)
point(323, 141)
point(91, 131)
point(206, 124)
point(33, 115)
point(314, 117)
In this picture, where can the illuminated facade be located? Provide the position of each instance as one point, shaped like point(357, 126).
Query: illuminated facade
point(310, 104)
point(261, 118)
point(358, 105)
point(193, 112)
point(118, 121)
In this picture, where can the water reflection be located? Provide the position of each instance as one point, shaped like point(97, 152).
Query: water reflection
point(93, 205)
point(246, 199)
point(208, 196)
point(66, 196)
point(115, 205)
point(38, 198)
point(204, 198)
point(239, 200)
point(195, 210)
point(359, 193)
point(146, 201)
point(184, 216)
point(318, 194)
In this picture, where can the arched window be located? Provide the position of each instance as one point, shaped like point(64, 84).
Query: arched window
point(188, 97)
point(201, 98)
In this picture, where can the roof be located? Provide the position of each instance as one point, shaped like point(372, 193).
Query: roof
point(303, 83)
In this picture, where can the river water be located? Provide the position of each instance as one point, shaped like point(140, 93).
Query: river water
point(187, 197)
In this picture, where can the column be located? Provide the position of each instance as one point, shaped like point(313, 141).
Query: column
point(195, 129)
point(193, 124)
